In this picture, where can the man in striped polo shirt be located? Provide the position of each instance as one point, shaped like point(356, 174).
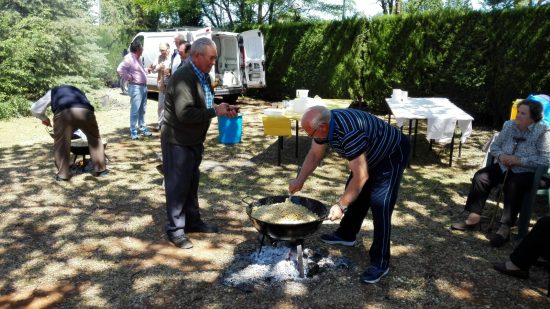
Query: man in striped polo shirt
point(377, 154)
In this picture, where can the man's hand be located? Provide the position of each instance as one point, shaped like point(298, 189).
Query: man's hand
point(235, 108)
point(47, 122)
point(294, 186)
point(224, 109)
point(335, 212)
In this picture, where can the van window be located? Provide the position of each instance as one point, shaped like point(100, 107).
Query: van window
point(139, 39)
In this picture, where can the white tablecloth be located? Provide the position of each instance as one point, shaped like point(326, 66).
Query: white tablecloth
point(442, 116)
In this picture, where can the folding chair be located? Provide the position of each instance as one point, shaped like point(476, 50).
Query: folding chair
point(541, 186)
point(277, 126)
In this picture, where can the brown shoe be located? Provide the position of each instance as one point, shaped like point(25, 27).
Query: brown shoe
point(463, 226)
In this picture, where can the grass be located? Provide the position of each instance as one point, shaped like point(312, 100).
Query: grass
point(99, 242)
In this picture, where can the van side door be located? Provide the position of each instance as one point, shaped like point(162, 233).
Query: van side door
point(251, 44)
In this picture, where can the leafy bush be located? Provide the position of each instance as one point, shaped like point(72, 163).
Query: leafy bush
point(40, 49)
point(11, 107)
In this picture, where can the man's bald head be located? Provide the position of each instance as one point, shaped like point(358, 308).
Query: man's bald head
point(314, 116)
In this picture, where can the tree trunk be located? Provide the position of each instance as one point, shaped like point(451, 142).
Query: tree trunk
point(260, 13)
point(271, 5)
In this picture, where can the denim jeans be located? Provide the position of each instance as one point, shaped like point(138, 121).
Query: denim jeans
point(138, 105)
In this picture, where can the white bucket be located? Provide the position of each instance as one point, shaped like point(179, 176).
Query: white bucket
point(396, 94)
point(299, 105)
point(302, 93)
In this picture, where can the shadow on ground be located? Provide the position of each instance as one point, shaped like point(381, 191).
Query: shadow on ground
point(99, 242)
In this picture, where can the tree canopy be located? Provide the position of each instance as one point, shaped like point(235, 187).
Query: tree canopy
point(233, 13)
point(44, 43)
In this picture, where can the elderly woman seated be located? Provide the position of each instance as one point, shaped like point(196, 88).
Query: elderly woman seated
point(521, 145)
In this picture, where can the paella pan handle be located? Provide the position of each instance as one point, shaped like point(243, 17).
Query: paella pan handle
point(244, 200)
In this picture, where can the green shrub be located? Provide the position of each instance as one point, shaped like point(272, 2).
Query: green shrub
point(11, 107)
point(480, 61)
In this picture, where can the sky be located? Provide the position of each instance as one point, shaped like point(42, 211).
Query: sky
point(372, 7)
point(368, 7)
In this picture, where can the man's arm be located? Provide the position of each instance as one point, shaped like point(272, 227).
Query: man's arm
point(360, 171)
point(314, 156)
point(124, 67)
point(38, 108)
point(184, 102)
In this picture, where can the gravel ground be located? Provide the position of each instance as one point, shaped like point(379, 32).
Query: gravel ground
point(99, 242)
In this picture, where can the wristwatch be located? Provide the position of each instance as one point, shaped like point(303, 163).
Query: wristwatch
point(342, 208)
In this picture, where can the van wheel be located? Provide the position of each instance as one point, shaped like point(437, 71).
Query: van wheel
point(123, 85)
point(231, 99)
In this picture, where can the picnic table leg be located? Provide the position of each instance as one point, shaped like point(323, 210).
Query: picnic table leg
point(415, 135)
point(279, 150)
point(451, 152)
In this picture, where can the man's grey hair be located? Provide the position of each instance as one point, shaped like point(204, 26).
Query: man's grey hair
point(199, 46)
point(181, 38)
point(164, 45)
point(322, 115)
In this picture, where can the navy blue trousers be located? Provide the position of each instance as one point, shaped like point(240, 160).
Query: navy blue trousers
point(181, 184)
point(379, 194)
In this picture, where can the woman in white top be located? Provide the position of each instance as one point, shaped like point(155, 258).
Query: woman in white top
point(162, 67)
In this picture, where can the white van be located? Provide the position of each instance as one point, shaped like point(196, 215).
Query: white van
point(240, 64)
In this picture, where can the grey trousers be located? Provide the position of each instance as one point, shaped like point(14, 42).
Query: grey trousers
point(64, 123)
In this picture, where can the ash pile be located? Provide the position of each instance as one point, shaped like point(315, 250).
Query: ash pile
point(279, 263)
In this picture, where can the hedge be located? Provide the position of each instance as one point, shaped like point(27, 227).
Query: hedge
point(481, 61)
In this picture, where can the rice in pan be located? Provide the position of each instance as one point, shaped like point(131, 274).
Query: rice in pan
point(283, 213)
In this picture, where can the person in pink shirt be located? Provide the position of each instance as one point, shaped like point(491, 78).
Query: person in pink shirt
point(131, 68)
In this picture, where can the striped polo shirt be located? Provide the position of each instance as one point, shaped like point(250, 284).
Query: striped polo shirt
point(353, 132)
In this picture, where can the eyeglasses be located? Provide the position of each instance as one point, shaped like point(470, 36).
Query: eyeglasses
point(312, 134)
point(163, 50)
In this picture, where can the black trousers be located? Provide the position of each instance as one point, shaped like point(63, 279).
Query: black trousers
point(536, 244)
point(181, 184)
point(515, 188)
point(379, 194)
